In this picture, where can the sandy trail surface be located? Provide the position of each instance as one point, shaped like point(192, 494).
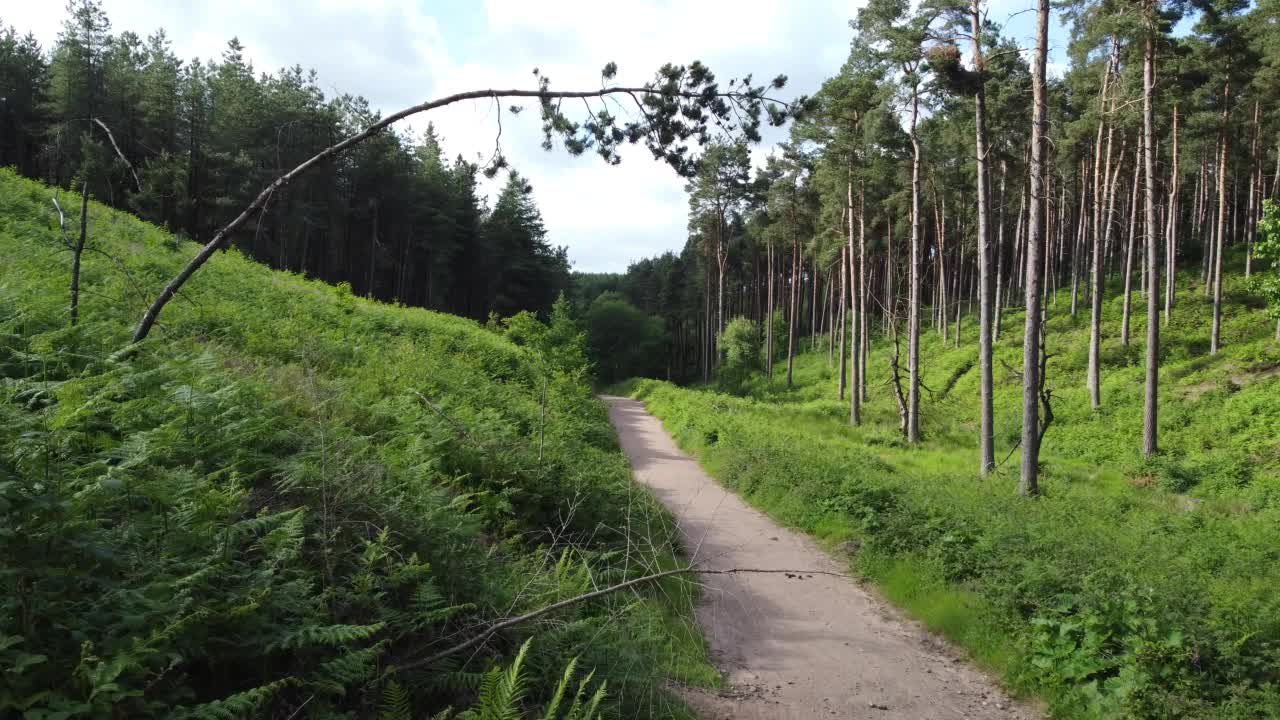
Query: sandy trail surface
point(807, 646)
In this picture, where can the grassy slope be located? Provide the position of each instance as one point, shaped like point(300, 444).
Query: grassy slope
point(1130, 589)
point(261, 496)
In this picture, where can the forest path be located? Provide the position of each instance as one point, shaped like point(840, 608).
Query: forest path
point(815, 646)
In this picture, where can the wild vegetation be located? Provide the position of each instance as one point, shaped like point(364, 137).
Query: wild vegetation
point(295, 498)
point(1132, 587)
point(298, 495)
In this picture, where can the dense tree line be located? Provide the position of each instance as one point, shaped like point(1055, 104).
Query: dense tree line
point(926, 187)
point(394, 218)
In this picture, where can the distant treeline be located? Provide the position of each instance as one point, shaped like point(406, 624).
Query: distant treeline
point(393, 217)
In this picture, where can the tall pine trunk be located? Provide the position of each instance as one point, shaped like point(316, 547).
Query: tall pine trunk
point(1128, 253)
point(1028, 483)
point(913, 299)
point(1149, 413)
point(768, 331)
point(1171, 226)
point(844, 289)
point(795, 302)
point(986, 432)
point(1221, 232)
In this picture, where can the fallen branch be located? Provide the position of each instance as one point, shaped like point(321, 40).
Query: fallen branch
point(687, 100)
point(535, 614)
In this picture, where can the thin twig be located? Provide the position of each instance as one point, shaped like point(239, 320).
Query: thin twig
point(535, 614)
point(112, 138)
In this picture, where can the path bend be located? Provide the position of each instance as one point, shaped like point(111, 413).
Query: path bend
point(811, 647)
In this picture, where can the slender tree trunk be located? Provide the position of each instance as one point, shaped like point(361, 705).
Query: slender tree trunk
point(78, 251)
point(768, 332)
point(832, 315)
point(1149, 445)
point(1029, 477)
point(913, 301)
point(1255, 168)
point(940, 266)
point(813, 305)
point(859, 328)
point(795, 303)
point(1128, 253)
point(986, 432)
point(889, 279)
point(1220, 241)
point(1171, 237)
point(863, 293)
point(999, 253)
point(844, 289)
point(1077, 248)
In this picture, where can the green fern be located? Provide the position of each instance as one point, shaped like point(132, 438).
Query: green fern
point(330, 635)
point(502, 691)
point(557, 697)
point(349, 670)
point(396, 703)
point(237, 706)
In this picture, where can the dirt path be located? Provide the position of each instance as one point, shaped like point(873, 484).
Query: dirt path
point(809, 647)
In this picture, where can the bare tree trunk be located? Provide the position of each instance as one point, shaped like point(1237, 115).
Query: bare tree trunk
point(889, 280)
point(1029, 477)
point(1128, 253)
point(895, 377)
point(1077, 248)
point(768, 332)
point(833, 315)
point(940, 263)
point(986, 432)
point(844, 289)
point(813, 305)
point(1219, 242)
point(863, 293)
point(1171, 237)
point(913, 300)
point(1150, 410)
point(1255, 168)
point(795, 303)
point(78, 251)
point(859, 328)
point(999, 253)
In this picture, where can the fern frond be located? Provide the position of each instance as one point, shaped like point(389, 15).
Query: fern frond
point(396, 703)
point(553, 706)
point(311, 636)
point(592, 710)
point(504, 689)
point(349, 669)
point(240, 705)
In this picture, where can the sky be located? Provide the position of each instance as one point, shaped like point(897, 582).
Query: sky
point(398, 53)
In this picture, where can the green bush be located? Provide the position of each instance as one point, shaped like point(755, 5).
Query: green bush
point(741, 353)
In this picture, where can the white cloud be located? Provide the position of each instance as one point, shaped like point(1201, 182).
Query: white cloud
point(400, 52)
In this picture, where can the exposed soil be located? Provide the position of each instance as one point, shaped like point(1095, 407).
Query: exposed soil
point(800, 645)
